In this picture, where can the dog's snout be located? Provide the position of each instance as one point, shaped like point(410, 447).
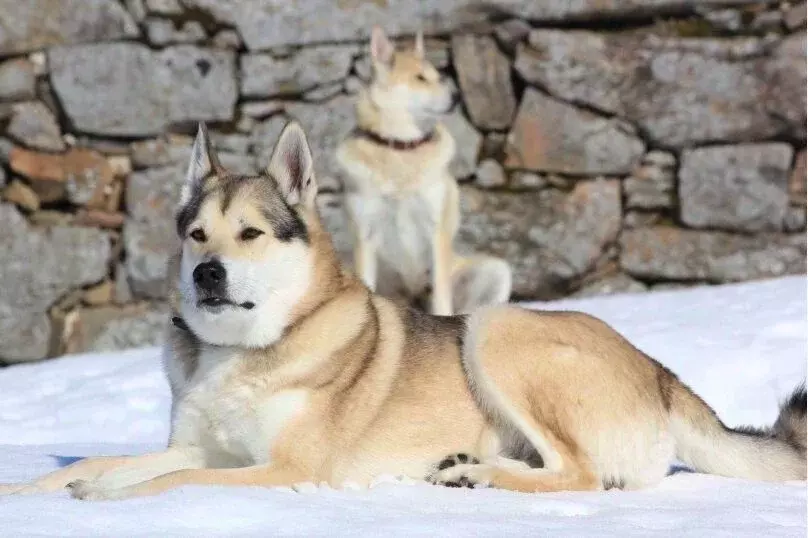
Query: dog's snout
point(210, 275)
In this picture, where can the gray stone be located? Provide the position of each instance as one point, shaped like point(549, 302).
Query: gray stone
point(3, 177)
point(265, 24)
point(122, 292)
point(261, 109)
point(730, 20)
point(550, 238)
point(162, 32)
point(795, 17)
point(164, 7)
point(484, 74)
point(33, 125)
point(768, 21)
point(137, 9)
point(794, 220)
point(326, 125)
point(323, 93)
point(511, 32)
point(263, 75)
point(468, 142)
point(650, 186)
point(527, 181)
point(551, 136)
point(640, 219)
point(613, 284)
point(680, 91)
point(231, 150)
point(490, 174)
point(38, 24)
point(38, 267)
point(742, 187)
point(185, 83)
point(227, 39)
point(798, 181)
point(664, 252)
point(149, 233)
point(6, 146)
point(17, 80)
point(112, 329)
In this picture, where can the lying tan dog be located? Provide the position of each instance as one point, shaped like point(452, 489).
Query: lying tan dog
point(400, 198)
point(284, 368)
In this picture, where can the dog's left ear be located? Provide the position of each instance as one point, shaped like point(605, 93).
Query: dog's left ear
point(419, 45)
point(292, 166)
point(200, 165)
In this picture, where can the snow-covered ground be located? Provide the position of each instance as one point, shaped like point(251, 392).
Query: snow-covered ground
point(742, 347)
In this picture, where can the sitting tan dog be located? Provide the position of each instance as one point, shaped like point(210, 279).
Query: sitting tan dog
point(401, 200)
point(284, 368)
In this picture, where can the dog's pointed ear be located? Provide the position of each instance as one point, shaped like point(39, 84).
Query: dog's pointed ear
point(419, 44)
point(381, 48)
point(292, 166)
point(200, 164)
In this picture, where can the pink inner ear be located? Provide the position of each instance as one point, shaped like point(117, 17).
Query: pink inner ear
point(295, 171)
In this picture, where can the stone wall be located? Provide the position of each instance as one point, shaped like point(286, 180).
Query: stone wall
point(605, 145)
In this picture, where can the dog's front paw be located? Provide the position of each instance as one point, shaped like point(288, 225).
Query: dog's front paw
point(91, 491)
point(10, 489)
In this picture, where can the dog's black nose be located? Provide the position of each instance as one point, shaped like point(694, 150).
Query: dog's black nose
point(210, 275)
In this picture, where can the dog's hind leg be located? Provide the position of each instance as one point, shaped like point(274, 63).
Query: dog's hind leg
point(479, 281)
point(572, 477)
point(129, 469)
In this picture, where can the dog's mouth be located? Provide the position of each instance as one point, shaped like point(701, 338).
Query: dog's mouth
point(218, 303)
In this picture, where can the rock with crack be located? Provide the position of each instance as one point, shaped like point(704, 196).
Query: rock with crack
point(17, 80)
point(551, 136)
point(484, 75)
point(33, 125)
point(38, 24)
point(185, 83)
point(550, 238)
point(263, 75)
point(266, 24)
point(38, 267)
point(739, 187)
point(679, 91)
point(667, 253)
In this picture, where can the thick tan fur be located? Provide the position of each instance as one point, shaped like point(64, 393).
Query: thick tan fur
point(354, 385)
point(404, 203)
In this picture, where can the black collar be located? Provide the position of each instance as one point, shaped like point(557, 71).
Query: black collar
point(394, 143)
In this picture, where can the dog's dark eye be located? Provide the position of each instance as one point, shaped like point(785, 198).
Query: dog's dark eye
point(248, 234)
point(199, 235)
point(420, 77)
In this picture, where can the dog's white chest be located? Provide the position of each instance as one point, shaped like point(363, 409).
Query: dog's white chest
point(232, 416)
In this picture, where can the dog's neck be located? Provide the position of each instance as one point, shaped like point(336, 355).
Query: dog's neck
point(396, 125)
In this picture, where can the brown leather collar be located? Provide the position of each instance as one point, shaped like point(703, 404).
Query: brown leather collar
point(394, 143)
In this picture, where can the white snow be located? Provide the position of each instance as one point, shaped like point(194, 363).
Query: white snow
point(742, 347)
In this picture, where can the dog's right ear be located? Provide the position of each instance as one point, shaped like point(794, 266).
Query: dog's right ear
point(292, 166)
point(381, 48)
point(200, 165)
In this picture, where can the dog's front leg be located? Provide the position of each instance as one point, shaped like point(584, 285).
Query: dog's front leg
point(258, 475)
point(365, 260)
point(442, 273)
point(114, 471)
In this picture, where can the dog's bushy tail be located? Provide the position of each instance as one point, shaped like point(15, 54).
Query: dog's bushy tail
point(776, 453)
